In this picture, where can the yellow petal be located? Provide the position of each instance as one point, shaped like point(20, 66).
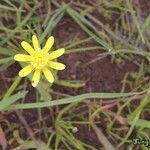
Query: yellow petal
point(48, 44)
point(48, 75)
point(22, 57)
point(27, 47)
point(36, 78)
point(35, 43)
point(56, 53)
point(26, 70)
point(57, 65)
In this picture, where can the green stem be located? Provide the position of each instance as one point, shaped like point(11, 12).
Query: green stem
point(12, 87)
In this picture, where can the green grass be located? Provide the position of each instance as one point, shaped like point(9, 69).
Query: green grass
point(121, 32)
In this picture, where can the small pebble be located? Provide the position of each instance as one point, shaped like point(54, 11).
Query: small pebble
point(75, 130)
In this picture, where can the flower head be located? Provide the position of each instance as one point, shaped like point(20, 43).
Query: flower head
point(39, 60)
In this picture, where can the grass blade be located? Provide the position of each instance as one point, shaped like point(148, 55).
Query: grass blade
point(6, 51)
point(135, 20)
point(78, 19)
point(10, 35)
point(5, 66)
point(52, 23)
point(5, 103)
point(102, 138)
point(6, 60)
point(142, 123)
point(73, 99)
point(139, 109)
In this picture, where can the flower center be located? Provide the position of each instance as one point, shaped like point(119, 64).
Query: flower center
point(39, 60)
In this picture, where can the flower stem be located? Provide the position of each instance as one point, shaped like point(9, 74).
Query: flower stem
point(12, 87)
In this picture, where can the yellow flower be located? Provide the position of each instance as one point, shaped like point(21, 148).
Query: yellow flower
point(40, 60)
